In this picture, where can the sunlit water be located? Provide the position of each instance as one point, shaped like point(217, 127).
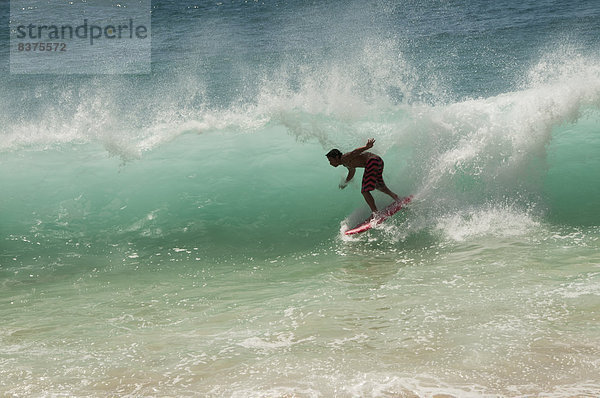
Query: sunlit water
point(180, 233)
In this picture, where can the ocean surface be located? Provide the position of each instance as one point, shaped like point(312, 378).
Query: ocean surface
point(180, 233)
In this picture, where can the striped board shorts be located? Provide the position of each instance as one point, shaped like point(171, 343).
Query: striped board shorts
point(373, 176)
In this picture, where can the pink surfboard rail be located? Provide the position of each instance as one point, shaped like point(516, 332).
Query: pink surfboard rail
point(381, 217)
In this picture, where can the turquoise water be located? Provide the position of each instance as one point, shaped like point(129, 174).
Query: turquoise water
point(180, 233)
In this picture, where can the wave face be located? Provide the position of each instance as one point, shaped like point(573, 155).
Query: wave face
point(106, 159)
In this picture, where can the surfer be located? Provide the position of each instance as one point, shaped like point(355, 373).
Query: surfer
point(373, 175)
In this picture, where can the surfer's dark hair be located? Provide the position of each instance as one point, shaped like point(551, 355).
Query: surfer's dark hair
point(334, 153)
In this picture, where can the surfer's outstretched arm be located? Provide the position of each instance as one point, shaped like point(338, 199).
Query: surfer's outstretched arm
point(351, 172)
point(360, 150)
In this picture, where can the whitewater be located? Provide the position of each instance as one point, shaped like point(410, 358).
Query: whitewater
point(181, 233)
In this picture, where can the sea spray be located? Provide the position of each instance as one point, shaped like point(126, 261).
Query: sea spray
point(450, 156)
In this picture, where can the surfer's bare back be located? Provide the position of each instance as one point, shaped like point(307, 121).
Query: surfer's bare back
point(373, 175)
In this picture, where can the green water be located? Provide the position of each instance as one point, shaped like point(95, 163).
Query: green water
point(492, 315)
point(193, 271)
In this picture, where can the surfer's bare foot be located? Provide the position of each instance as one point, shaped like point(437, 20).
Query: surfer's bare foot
point(376, 215)
point(387, 191)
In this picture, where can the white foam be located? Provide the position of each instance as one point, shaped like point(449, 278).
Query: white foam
point(272, 341)
point(493, 221)
point(377, 385)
